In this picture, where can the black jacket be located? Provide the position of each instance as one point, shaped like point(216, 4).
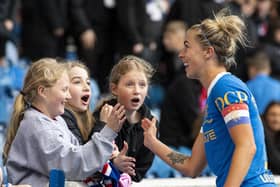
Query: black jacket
point(7, 11)
point(40, 18)
point(134, 26)
point(272, 141)
point(179, 112)
point(188, 11)
point(133, 135)
point(71, 122)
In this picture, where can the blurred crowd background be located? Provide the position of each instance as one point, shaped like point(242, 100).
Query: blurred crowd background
point(100, 32)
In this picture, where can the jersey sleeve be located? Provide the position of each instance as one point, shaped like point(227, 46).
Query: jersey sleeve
point(236, 114)
point(233, 104)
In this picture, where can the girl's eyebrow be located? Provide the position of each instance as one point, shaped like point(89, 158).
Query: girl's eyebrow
point(76, 77)
point(79, 78)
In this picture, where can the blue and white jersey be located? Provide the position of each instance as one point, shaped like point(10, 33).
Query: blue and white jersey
point(230, 103)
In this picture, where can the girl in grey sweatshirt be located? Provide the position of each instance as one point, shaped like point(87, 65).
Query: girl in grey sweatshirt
point(39, 140)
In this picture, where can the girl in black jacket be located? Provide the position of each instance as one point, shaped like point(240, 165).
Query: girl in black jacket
point(129, 81)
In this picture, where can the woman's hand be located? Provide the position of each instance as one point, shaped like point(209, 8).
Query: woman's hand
point(150, 131)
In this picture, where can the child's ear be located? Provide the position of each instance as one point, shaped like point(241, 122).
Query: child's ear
point(41, 91)
point(114, 89)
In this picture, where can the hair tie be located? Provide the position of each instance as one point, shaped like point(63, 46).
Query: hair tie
point(22, 93)
point(27, 104)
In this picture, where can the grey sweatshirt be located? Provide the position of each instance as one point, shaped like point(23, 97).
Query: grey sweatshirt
point(42, 144)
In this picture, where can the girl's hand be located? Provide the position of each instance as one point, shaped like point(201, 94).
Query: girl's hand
point(150, 130)
point(124, 163)
point(116, 151)
point(116, 118)
point(105, 112)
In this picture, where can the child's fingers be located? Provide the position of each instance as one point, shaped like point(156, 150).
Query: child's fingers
point(121, 114)
point(117, 107)
point(124, 149)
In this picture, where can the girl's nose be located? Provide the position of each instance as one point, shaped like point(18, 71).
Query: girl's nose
point(86, 86)
point(68, 95)
point(137, 89)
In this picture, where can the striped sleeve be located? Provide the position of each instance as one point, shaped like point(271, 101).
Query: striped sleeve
point(236, 114)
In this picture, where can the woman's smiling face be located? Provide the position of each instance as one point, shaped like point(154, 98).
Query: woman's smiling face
point(192, 56)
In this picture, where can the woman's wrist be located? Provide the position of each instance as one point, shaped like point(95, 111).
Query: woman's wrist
point(152, 142)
